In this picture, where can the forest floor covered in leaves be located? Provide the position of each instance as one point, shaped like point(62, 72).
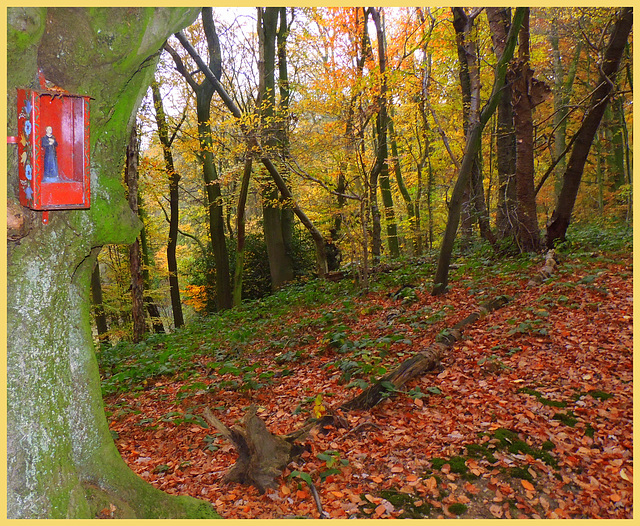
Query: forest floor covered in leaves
point(529, 416)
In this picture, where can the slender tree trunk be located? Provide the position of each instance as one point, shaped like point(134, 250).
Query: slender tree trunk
point(152, 308)
point(411, 215)
point(527, 230)
point(382, 125)
point(240, 227)
point(474, 203)
point(135, 256)
point(563, 86)
point(557, 227)
point(98, 308)
point(471, 149)
point(204, 93)
point(174, 179)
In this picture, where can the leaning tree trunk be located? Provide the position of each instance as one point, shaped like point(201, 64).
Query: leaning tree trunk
point(61, 458)
point(557, 227)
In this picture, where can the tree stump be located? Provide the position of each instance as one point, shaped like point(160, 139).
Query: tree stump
point(261, 455)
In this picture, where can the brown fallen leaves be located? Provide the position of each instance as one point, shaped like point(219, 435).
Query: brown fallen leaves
point(569, 384)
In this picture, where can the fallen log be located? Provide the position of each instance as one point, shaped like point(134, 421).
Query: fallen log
point(420, 362)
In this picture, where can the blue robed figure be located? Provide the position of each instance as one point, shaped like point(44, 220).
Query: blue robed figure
point(49, 145)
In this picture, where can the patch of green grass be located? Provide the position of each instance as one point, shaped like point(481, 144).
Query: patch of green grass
point(520, 473)
point(458, 508)
point(600, 395)
point(568, 418)
point(541, 398)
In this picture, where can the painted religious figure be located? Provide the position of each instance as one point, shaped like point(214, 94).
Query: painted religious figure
point(49, 145)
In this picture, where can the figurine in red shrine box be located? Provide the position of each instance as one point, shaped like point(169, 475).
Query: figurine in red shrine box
point(49, 145)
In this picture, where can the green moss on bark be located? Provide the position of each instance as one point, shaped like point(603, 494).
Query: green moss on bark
point(62, 462)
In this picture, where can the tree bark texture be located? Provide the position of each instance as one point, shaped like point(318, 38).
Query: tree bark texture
point(499, 23)
point(174, 216)
point(135, 254)
point(557, 227)
point(521, 79)
point(61, 459)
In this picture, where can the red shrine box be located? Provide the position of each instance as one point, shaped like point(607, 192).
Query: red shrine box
point(53, 150)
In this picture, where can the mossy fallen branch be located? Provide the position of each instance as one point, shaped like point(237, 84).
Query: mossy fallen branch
point(421, 362)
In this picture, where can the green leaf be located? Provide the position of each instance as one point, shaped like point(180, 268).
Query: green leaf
point(301, 475)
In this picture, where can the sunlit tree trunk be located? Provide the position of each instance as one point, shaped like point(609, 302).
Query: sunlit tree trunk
point(174, 218)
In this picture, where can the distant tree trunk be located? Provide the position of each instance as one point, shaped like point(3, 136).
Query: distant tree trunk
point(98, 308)
point(152, 308)
point(174, 179)
point(475, 204)
point(382, 125)
point(527, 231)
point(562, 88)
point(240, 227)
point(135, 259)
point(471, 149)
point(204, 93)
point(411, 214)
point(280, 263)
point(500, 22)
point(557, 227)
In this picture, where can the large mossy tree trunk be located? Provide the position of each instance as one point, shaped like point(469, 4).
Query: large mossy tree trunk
point(274, 225)
point(61, 458)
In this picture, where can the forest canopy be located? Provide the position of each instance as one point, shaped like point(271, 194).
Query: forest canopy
point(328, 141)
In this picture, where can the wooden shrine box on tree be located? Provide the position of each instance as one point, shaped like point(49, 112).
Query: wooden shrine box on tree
point(53, 150)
